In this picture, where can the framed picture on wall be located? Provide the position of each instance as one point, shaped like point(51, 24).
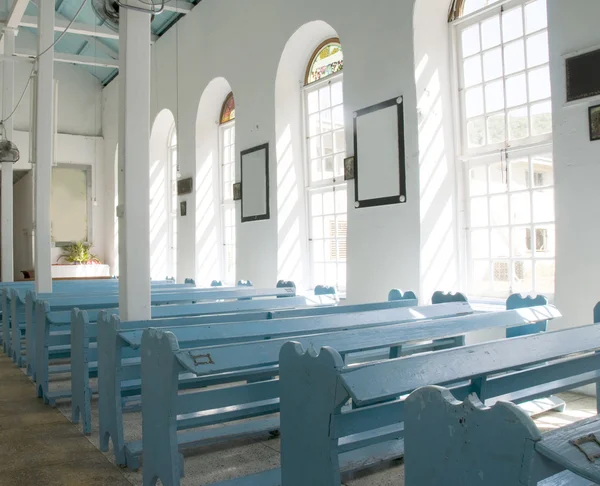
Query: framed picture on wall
point(255, 183)
point(594, 120)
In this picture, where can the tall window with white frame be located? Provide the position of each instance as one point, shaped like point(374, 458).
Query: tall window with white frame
point(173, 207)
point(227, 157)
point(326, 149)
point(506, 130)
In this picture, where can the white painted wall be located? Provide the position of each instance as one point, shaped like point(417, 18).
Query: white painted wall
point(377, 40)
point(72, 149)
point(438, 171)
point(23, 225)
point(576, 166)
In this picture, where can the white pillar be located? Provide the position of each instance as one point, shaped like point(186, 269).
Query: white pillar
point(44, 147)
point(8, 100)
point(134, 161)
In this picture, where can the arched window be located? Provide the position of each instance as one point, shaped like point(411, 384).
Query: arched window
point(326, 150)
point(227, 158)
point(506, 135)
point(173, 206)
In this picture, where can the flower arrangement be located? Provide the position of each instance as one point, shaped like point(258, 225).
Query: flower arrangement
point(79, 254)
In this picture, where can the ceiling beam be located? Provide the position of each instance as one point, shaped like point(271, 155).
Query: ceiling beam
point(178, 7)
point(73, 59)
point(61, 23)
point(16, 13)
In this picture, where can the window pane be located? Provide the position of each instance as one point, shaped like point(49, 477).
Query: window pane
point(481, 275)
point(313, 102)
point(339, 141)
point(518, 126)
point(478, 181)
point(316, 202)
point(474, 102)
point(544, 276)
point(521, 242)
point(545, 241)
point(500, 243)
point(338, 117)
point(512, 24)
point(338, 162)
point(536, 17)
point(472, 71)
point(479, 211)
point(328, 203)
point(480, 244)
point(494, 96)
point(537, 49)
point(317, 251)
point(328, 168)
point(341, 201)
point(492, 64)
point(514, 57)
point(516, 90)
point(539, 84)
point(543, 206)
point(337, 93)
point(470, 40)
point(519, 175)
point(324, 99)
point(500, 276)
point(499, 211)
point(520, 206)
point(314, 126)
point(317, 228)
point(522, 276)
point(543, 174)
point(541, 118)
point(315, 147)
point(497, 173)
point(496, 129)
point(476, 132)
point(316, 173)
point(490, 32)
point(327, 143)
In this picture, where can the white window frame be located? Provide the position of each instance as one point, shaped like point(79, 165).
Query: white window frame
point(320, 186)
point(486, 155)
point(226, 205)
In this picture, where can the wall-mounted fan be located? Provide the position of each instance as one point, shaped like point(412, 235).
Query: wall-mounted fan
point(8, 150)
point(108, 10)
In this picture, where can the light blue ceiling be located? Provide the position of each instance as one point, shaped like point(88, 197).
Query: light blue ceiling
point(89, 46)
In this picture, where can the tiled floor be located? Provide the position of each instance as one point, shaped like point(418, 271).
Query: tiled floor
point(39, 446)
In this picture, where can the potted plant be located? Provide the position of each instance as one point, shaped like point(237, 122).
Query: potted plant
point(79, 254)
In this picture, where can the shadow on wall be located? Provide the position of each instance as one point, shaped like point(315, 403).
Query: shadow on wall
point(439, 238)
point(293, 260)
point(209, 240)
point(159, 195)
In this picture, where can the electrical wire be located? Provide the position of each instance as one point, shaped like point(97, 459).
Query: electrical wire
point(36, 58)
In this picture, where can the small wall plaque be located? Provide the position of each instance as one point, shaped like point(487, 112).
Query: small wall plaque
point(183, 208)
point(237, 191)
point(594, 123)
point(583, 75)
point(348, 168)
point(185, 186)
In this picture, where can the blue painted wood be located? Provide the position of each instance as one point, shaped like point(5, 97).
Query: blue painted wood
point(397, 294)
point(377, 390)
point(244, 283)
point(322, 385)
point(112, 340)
point(325, 290)
point(440, 297)
point(516, 301)
point(343, 309)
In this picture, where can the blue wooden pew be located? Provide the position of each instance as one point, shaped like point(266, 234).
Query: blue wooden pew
point(14, 301)
point(167, 411)
point(159, 297)
point(502, 444)
point(80, 338)
point(315, 391)
point(119, 378)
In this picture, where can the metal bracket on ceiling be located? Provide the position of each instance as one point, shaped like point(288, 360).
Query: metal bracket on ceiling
point(151, 11)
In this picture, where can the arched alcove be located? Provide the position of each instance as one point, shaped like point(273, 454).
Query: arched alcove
point(162, 233)
point(438, 183)
point(294, 252)
point(212, 243)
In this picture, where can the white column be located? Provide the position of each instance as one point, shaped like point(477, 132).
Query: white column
point(134, 162)
point(45, 147)
point(8, 100)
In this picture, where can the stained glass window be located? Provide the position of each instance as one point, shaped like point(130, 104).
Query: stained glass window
point(228, 110)
point(328, 59)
